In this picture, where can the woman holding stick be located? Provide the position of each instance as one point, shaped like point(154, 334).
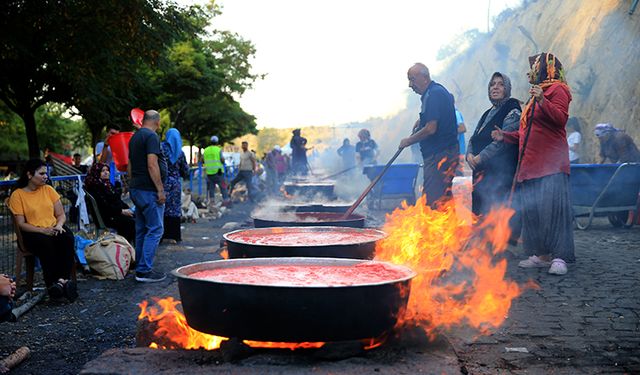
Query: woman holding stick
point(543, 168)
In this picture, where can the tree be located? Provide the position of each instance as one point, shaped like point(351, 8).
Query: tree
point(30, 73)
point(201, 79)
point(128, 57)
point(58, 131)
point(84, 53)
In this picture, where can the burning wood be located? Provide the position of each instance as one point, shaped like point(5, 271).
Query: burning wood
point(165, 327)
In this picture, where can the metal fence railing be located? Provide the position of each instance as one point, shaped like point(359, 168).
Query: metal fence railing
point(66, 186)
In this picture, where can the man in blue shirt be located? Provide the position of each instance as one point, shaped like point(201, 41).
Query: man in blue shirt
point(148, 171)
point(437, 132)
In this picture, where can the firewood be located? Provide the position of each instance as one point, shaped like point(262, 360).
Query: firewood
point(14, 359)
point(20, 310)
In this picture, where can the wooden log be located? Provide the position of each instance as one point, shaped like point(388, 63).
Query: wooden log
point(20, 310)
point(145, 335)
point(14, 359)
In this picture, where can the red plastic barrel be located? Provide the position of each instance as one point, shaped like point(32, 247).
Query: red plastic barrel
point(119, 144)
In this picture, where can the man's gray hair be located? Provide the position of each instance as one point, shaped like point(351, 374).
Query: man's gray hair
point(422, 69)
point(151, 115)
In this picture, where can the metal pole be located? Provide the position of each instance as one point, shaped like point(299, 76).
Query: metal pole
point(524, 146)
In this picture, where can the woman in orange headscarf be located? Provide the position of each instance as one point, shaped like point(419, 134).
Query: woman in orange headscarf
point(543, 173)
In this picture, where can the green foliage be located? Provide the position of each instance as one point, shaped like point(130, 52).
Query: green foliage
point(103, 58)
point(200, 80)
point(58, 132)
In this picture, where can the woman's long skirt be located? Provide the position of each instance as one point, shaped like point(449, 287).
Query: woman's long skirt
point(547, 217)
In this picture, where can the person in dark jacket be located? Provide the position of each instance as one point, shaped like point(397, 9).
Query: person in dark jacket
point(616, 146)
point(115, 213)
point(494, 163)
point(299, 163)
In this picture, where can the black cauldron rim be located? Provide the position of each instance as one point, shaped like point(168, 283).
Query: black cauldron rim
point(337, 217)
point(382, 234)
point(238, 262)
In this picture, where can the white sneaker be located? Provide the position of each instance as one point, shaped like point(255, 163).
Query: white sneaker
point(558, 267)
point(533, 262)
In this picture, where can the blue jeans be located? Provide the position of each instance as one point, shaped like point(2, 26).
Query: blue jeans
point(149, 229)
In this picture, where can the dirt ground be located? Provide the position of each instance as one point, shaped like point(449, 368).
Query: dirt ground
point(585, 323)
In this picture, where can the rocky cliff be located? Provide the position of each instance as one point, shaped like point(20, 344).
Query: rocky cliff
point(597, 41)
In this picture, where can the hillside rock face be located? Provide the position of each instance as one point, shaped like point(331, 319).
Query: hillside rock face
point(598, 43)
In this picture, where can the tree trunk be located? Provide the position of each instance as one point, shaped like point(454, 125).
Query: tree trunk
point(29, 118)
point(95, 138)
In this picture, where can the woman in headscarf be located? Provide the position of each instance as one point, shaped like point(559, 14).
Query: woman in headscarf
point(299, 163)
point(177, 168)
point(494, 163)
point(543, 173)
point(115, 213)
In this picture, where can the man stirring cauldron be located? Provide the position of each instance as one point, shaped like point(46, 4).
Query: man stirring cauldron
point(436, 131)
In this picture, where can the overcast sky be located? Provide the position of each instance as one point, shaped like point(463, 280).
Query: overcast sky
point(336, 61)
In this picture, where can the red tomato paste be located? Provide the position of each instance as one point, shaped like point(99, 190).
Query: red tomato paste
point(305, 238)
point(306, 275)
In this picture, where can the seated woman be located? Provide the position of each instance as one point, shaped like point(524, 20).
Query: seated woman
point(115, 213)
point(40, 217)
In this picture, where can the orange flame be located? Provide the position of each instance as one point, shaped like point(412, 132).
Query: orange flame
point(224, 253)
point(172, 326)
point(443, 248)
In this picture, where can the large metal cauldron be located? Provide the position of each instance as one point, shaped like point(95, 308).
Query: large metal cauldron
point(310, 189)
point(308, 219)
point(290, 313)
point(313, 207)
point(240, 243)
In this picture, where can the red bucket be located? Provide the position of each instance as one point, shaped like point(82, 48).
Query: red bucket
point(119, 144)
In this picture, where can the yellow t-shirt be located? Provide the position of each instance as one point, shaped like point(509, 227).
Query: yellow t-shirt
point(35, 206)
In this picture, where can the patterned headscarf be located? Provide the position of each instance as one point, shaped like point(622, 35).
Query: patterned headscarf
point(174, 140)
point(507, 89)
point(603, 129)
point(93, 179)
point(546, 67)
point(547, 70)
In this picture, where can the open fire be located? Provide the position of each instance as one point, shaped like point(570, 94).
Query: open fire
point(173, 332)
point(458, 283)
point(458, 280)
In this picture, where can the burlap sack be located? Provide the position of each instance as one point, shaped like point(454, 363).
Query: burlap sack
point(110, 256)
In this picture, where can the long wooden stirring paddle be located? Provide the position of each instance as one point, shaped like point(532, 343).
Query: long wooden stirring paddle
point(371, 185)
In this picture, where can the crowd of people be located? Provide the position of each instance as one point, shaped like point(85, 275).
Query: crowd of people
point(519, 155)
